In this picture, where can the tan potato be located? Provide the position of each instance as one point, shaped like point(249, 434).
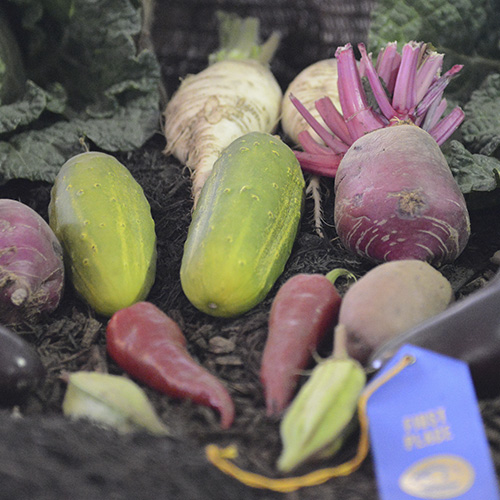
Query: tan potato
point(388, 300)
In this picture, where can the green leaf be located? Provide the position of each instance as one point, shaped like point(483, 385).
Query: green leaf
point(473, 172)
point(481, 129)
point(111, 400)
point(466, 31)
point(460, 25)
point(30, 106)
point(87, 79)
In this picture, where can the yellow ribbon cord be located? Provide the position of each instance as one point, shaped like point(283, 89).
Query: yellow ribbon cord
point(220, 457)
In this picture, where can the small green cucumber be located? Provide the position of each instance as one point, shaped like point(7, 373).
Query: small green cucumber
point(100, 215)
point(244, 226)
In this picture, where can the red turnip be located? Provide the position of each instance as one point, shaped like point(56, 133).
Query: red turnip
point(31, 265)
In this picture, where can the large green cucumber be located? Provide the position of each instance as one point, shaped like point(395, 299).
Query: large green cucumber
point(243, 227)
point(100, 215)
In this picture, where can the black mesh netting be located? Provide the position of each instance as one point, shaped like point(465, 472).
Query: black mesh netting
point(45, 456)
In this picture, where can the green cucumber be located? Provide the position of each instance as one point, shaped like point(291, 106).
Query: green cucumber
point(243, 227)
point(100, 215)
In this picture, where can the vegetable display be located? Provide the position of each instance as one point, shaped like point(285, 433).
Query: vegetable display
point(395, 196)
point(151, 347)
point(234, 95)
point(302, 313)
point(243, 227)
point(103, 220)
point(388, 300)
point(31, 264)
point(21, 369)
point(242, 357)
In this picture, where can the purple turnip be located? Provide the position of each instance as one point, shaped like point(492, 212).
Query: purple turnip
point(395, 195)
point(31, 264)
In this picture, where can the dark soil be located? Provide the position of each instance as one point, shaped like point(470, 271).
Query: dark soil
point(45, 456)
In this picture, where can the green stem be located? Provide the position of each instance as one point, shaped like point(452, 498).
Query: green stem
point(239, 40)
point(335, 274)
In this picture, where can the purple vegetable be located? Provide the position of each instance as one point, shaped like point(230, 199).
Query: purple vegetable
point(395, 195)
point(31, 264)
point(21, 369)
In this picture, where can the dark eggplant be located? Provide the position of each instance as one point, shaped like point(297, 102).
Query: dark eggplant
point(468, 330)
point(21, 369)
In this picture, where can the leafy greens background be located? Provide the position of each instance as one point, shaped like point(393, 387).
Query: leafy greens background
point(85, 78)
point(468, 33)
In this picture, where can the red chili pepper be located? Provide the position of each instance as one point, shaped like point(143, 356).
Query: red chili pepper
point(303, 311)
point(151, 347)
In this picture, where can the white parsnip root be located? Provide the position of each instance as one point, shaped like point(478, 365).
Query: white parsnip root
point(236, 94)
point(311, 84)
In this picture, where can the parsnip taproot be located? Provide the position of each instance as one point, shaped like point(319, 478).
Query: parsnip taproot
point(236, 94)
point(312, 84)
point(315, 86)
point(244, 226)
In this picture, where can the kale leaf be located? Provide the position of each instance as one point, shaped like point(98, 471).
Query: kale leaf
point(86, 78)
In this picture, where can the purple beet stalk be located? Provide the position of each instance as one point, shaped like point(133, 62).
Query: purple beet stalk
point(413, 93)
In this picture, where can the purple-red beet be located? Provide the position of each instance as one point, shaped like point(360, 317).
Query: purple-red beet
point(396, 198)
point(31, 264)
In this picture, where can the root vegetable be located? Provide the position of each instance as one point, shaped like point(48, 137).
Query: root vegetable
point(310, 85)
point(303, 311)
point(151, 347)
point(234, 95)
point(395, 196)
point(388, 300)
point(31, 264)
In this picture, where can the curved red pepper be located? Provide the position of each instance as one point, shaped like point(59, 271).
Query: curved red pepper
point(303, 311)
point(151, 347)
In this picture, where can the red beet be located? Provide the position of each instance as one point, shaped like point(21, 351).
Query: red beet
point(396, 198)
